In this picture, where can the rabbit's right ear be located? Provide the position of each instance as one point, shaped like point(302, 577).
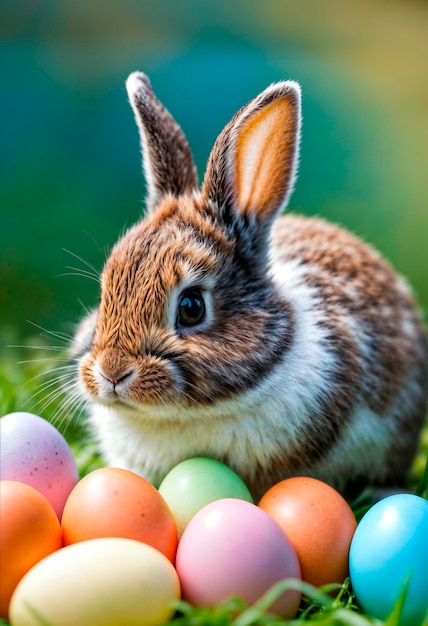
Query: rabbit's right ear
point(167, 159)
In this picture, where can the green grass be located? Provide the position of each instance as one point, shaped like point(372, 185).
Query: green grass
point(25, 387)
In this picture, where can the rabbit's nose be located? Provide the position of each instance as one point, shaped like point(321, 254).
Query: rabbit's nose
point(116, 378)
point(114, 369)
point(112, 383)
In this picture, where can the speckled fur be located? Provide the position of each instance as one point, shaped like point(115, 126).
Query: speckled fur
point(311, 358)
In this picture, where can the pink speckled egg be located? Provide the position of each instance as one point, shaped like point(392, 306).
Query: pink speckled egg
point(233, 548)
point(35, 453)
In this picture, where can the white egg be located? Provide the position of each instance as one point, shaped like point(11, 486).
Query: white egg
point(99, 582)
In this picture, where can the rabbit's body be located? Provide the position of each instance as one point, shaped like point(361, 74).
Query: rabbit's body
point(280, 350)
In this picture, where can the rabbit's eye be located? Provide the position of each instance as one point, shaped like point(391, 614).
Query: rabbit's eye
point(191, 308)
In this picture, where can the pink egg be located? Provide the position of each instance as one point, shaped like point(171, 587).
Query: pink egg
point(233, 548)
point(35, 453)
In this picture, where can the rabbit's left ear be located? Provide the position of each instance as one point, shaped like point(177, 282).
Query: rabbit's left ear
point(167, 159)
point(252, 167)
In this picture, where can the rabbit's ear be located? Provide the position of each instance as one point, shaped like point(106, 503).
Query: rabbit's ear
point(252, 167)
point(167, 159)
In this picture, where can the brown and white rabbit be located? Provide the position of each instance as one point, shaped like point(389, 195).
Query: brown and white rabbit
point(278, 345)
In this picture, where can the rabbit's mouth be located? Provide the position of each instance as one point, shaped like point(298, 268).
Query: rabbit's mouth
point(131, 382)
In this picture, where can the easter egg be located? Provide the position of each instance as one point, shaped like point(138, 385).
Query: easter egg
point(192, 484)
point(35, 453)
point(231, 547)
point(29, 531)
point(100, 582)
point(389, 552)
point(113, 502)
point(319, 523)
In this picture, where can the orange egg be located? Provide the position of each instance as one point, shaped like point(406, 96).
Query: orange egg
point(29, 531)
point(319, 523)
point(112, 502)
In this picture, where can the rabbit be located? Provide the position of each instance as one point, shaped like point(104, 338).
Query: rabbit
point(280, 345)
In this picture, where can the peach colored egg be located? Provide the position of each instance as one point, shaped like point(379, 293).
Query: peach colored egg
point(113, 502)
point(29, 531)
point(319, 523)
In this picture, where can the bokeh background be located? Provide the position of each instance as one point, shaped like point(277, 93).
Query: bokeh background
point(70, 176)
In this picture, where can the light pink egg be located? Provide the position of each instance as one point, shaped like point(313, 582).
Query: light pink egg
point(35, 453)
point(233, 548)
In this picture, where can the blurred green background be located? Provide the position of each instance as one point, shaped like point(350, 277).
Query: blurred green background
point(70, 175)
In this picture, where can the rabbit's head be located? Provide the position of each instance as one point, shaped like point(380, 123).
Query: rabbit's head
point(188, 314)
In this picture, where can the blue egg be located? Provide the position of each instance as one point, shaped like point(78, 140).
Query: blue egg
point(389, 551)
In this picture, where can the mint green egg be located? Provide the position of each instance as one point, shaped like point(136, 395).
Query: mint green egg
point(196, 482)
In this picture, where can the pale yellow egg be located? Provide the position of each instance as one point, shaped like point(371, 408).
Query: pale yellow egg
point(99, 582)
